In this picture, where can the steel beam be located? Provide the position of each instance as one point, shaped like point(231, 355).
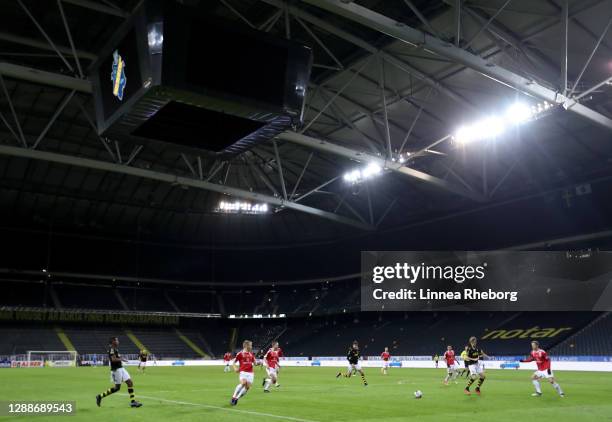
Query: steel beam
point(594, 88)
point(365, 45)
point(337, 94)
point(279, 166)
point(497, 30)
point(564, 39)
point(492, 52)
point(457, 11)
point(422, 18)
point(12, 108)
point(412, 125)
point(44, 34)
point(237, 13)
point(299, 179)
point(97, 7)
point(321, 43)
point(588, 61)
point(419, 39)
point(394, 166)
point(258, 172)
point(486, 24)
point(70, 40)
point(176, 180)
point(41, 45)
point(58, 111)
point(385, 111)
point(315, 190)
point(45, 78)
point(384, 214)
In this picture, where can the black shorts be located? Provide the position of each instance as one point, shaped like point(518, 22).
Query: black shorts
point(465, 362)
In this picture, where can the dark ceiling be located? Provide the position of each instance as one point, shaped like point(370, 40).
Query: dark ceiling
point(555, 152)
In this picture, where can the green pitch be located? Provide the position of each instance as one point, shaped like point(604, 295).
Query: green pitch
point(312, 394)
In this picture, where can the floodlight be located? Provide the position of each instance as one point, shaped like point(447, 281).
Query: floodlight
point(518, 113)
point(491, 127)
point(357, 176)
point(352, 176)
point(465, 134)
point(371, 169)
point(242, 207)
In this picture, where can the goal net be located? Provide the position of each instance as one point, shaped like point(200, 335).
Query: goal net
point(52, 358)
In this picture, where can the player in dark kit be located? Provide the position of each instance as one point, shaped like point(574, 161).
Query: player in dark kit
point(118, 375)
point(353, 356)
point(477, 371)
point(279, 350)
point(143, 356)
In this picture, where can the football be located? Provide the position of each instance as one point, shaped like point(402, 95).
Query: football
point(418, 394)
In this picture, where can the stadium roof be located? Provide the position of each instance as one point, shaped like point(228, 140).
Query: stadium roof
point(390, 78)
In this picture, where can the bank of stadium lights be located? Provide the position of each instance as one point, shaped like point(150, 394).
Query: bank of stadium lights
point(238, 207)
point(494, 126)
point(401, 158)
point(359, 175)
point(257, 316)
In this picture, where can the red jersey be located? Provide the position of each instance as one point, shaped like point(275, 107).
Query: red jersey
point(271, 358)
point(227, 357)
point(385, 356)
point(280, 352)
point(449, 356)
point(541, 359)
point(246, 361)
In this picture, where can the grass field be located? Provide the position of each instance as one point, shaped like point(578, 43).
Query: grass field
point(311, 394)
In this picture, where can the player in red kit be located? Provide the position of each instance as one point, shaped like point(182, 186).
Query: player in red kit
point(386, 357)
point(280, 355)
point(271, 363)
point(246, 360)
point(452, 369)
point(544, 370)
point(227, 359)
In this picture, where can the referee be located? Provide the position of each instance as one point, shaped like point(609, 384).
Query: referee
point(466, 370)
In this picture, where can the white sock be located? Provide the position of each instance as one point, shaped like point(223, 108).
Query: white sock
point(242, 392)
point(536, 384)
point(267, 384)
point(237, 391)
point(558, 388)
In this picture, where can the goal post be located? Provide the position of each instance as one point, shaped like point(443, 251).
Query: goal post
point(53, 358)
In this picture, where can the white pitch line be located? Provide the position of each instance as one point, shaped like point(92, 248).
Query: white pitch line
point(249, 412)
